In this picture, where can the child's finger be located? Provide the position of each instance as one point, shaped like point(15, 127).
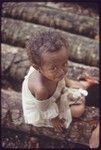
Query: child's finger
point(63, 120)
point(59, 127)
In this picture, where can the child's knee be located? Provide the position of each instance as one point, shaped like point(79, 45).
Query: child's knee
point(77, 110)
point(81, 109)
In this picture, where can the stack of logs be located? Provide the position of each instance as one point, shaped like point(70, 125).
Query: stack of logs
point(19, 21)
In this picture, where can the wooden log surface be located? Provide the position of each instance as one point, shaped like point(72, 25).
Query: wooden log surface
point(50, 17)
point(85, 9)
point(15, 65)
point(78, 132)
point(82, 50)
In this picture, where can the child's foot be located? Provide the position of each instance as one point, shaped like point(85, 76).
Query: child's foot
point(86, 77)
point(94, 140)
point(87, 81)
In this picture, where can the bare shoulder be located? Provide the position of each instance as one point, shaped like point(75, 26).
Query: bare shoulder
point(37, 89)
point(42, 94)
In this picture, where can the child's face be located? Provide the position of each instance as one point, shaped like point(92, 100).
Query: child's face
point(54, 64)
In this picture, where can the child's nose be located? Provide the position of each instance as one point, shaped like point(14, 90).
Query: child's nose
point(62, 72)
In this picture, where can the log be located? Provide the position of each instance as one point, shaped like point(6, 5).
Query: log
point(17, 64)
point(83, 9)
point(82, 50)
point(14, 139)
point(82, 25)
point(78, 132)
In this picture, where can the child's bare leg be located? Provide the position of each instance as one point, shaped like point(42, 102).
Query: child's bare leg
point(77, 110)
point(94, 140)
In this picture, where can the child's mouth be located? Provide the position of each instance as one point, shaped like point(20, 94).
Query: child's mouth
point(60, 77)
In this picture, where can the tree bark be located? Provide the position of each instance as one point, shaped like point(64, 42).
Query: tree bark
point(67, 21)
point(82, 50)
point(17, 64)
point(78, 132)
point(84, 9)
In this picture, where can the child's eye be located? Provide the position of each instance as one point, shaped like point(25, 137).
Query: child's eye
point(65, 64)
point(54, 68)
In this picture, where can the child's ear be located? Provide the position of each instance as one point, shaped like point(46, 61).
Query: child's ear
point(36, 67)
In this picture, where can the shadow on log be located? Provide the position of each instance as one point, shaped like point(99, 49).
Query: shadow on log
point(78, 132)
point(82, 50)
point(17, 64)
point(50, 17)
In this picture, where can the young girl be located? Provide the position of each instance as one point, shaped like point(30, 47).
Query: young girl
point(45, 98)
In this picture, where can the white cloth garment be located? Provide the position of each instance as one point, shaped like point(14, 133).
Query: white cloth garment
point(39, 113)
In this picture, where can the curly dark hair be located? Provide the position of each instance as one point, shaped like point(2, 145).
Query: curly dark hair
point(44, 40)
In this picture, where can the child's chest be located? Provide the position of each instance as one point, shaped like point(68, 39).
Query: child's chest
point(51, 89)
point(55, 89)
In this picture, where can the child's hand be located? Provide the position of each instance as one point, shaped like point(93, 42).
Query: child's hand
point(58, 123)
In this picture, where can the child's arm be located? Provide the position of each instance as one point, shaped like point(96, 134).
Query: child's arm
point(74, 83)
point(83, 83)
